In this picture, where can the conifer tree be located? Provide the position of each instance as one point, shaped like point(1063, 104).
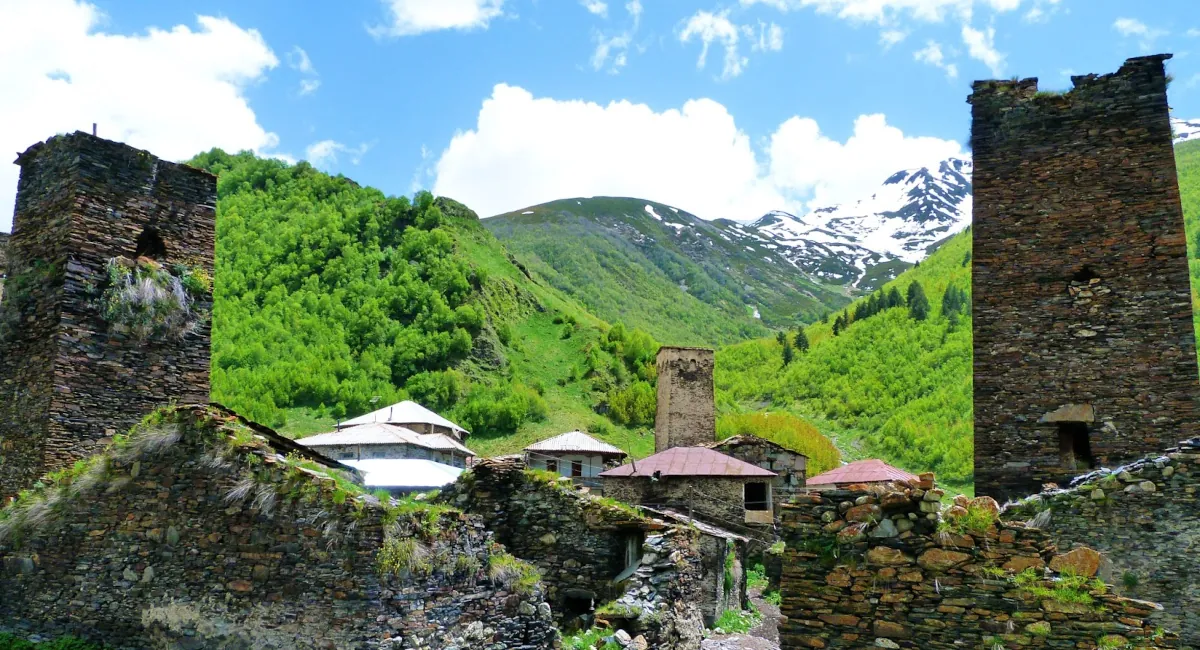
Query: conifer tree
point(918, 304)
point(894, 299)
point(801, 340)
point(788, 354)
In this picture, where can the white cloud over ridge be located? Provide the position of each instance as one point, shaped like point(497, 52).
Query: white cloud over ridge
point(1133, 28)
point(325, 153)
point(526, 150)
point(173, 92)
point(412, 17)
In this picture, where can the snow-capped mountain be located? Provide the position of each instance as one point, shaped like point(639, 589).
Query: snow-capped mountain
point(911, 211)
point(1185, 129)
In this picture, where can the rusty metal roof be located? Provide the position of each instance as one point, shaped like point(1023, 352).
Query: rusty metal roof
point(576, 441)
point(689, 461)
point(863, 471)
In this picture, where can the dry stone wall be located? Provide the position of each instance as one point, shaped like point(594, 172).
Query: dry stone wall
point(195, 532)
point(69, 380)
point(3, 261)
point(1081, 296)
point(582, 543)
point(719, 500)
point(1145, 517)
point(880, 567)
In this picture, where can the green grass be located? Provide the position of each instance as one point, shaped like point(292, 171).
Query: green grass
point(589, 639)
point(11, 642)
point(733, 621)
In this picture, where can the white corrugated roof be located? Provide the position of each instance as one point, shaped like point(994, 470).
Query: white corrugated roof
point(405, 473)
point(406, 412)
point(575, 441)
point(366, 434)
point(384, 434)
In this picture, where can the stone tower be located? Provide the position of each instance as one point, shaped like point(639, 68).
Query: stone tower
point(72, 374)
point(685, 416)
point(1084, 345)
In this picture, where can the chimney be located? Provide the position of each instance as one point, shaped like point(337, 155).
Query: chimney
point(686, 409)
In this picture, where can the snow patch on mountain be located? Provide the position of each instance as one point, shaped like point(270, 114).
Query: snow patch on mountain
point(1185, 129)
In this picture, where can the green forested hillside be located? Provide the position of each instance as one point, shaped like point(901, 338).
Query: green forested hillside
point(1187, 161)
point(887, 385)
point(330, 297)
point(685, 280)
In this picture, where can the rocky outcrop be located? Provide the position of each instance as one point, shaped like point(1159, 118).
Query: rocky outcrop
point(198, 530)
point(1145, 518)
point(890, 567)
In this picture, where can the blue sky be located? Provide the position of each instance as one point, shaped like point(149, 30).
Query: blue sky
point(726, 109)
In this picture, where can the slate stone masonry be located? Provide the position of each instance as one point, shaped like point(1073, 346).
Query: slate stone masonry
point(686, 414)
point(1081, 297)
point(67, 383)
point(875, 567)
point(1145, 517)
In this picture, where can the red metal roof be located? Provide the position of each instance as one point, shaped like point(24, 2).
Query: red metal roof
point(689, 461)
point(863, 471)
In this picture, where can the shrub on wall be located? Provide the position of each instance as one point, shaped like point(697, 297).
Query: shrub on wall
point(148, 299)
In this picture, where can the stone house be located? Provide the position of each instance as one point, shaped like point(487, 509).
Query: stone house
point(860, 472)
point(789, 466)
point(700, 482)
point(574, 454)
point(377, 441)
point(412, 416)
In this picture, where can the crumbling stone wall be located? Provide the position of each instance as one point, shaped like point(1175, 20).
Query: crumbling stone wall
point(883, 568)
point(3, 261)
point(1145, 517)
point(196, 532)
point(68, 382)
point(686, 414)
point(581, 545)
point(1081, 298)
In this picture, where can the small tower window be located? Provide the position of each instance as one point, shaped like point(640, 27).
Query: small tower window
point(1075, 446)
point(1084, 275)
point(150, 244)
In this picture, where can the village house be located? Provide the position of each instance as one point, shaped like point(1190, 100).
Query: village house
point(375, 441)
point(412, 416)
point(574, 454)
point(401, 476)
point(697, 481)
point(789, 466)
point(866, 472)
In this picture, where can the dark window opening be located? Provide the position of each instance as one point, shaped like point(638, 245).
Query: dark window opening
point(1084, 274)
point(576, 468)
point(1075, 445)
point(757, 497)
point(150, 244)
point(576, 607)
point(551, 465)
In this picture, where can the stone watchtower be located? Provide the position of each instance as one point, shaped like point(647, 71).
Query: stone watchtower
point(80, 359)
point(1084, 345)
point(685, 416)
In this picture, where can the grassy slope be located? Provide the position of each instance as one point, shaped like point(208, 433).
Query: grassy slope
point(625, 266)
point(1187, 161)
point(888, 386)
point(537, 355)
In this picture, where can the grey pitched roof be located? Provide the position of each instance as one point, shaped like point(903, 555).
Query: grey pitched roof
point(689, 461)
point(575, 442)
point(406, 412)
point(384, 434)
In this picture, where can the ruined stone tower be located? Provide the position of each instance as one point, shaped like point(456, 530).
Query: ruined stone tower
point(685, 416)
point(1084, 346)
point(72, 372)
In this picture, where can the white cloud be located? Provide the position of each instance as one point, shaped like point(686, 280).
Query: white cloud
point(1133, 28)
point(634, 7)
point(889, 38)
point(526, 150)
point(615, 46)
point(597, 7)
point(1193, 32)
point(709, 28)
point(411, 17)
point(175, 93)
point(298, 60)
point(981, 45)
point(887, 11)
point(324, 154)
point(932, 54)
point(770, 37)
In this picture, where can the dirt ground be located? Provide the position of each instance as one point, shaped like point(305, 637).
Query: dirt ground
point(763, 637)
